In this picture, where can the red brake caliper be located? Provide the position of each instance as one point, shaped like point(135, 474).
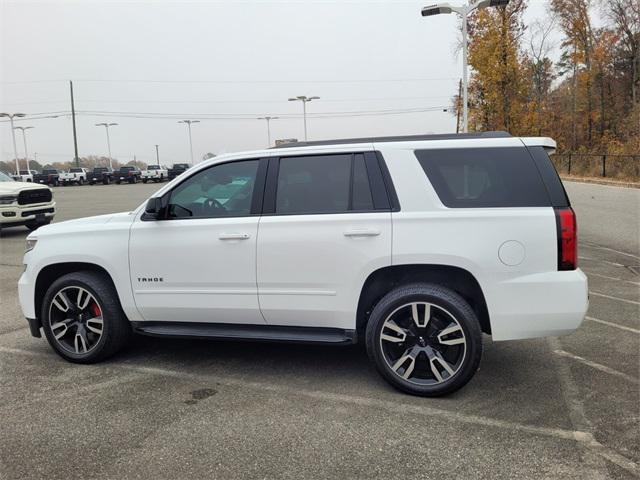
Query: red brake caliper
point(95, 309)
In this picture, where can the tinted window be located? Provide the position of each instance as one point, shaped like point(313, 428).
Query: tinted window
point(220, 191)
point(314, 184)
point(550, 176)
point(484, 177)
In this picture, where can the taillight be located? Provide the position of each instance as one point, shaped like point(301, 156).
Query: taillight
point(567, 229)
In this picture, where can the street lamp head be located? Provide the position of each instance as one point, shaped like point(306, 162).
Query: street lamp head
point(294, 99)
point(313, 98)
point(111, 124)
point(437, 9)
point(492, 3)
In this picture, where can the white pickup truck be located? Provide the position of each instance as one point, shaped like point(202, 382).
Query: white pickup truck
point(155, 173)
point(75, 175)
point(24, 176)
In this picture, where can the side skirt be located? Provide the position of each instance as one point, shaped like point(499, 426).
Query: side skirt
point(259, 333)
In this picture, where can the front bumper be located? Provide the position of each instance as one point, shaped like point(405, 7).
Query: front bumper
point(14, 214)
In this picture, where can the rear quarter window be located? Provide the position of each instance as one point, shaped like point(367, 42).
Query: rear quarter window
point(484, 177)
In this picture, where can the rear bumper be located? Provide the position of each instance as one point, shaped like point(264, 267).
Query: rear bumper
point(538, 305)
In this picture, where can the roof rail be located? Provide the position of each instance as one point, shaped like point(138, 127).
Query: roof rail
point(399, 138)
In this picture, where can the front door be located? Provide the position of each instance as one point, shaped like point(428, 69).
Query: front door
point(198, 264)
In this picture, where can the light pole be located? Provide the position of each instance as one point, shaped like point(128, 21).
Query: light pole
point(268, 119)
point(157, 155)
point(106, 127)
point(189, 122)
point(13, 135)
point(464, 11)
point(24, 141)
point(304, 99)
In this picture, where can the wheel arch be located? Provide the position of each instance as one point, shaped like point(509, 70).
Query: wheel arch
point(381, 281)
point(50, 273)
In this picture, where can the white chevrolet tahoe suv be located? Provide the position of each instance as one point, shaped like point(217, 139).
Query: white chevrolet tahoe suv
point(413, 245)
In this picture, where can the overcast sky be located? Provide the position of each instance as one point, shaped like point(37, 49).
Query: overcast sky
point(232, 59)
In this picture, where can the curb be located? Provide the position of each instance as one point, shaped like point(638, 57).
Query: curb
point(599, 181)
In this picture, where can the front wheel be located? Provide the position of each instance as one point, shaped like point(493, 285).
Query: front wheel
point(424, 339)
point(82, 318)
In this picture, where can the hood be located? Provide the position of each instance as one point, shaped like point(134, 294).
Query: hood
point(15, 187)
point(85, 224)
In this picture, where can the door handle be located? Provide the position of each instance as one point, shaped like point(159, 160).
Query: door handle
point(366, 232)
point(234, 236)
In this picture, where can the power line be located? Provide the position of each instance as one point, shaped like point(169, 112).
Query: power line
point(274, 81)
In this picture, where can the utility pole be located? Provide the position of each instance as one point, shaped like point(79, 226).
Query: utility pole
point(304, 99)
point(11, 116)
point(157, 155)
point(73, 120)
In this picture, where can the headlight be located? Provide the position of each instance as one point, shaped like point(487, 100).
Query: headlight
point(31, 243)
point(7, 199)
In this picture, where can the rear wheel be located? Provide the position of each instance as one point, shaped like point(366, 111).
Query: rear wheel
point(424, 339)
point(82, 318)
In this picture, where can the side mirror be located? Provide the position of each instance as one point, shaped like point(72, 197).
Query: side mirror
point(153, 210)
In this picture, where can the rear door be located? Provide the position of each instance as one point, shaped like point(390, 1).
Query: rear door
point(326, 225)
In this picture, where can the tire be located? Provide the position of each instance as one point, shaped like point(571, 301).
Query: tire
point(91, 182)
point(424, 355)
point(106, 181)
point(144, 180)
point(118, 182)
point(103, 304)
point(80, 182)
point(35, 226)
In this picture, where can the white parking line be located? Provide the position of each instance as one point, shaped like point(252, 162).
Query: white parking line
point(593, 274)
point(611, 324)
point(598, 247)
point(597, 366)
point(393, 407)
point(625, 300)
point(615, 264)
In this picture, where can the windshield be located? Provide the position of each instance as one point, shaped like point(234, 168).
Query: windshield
point(127, 169)
point(100, 169)
point(181, 165)
point(153, 167)
point(49, 172)
point(75, 170)
point(25, 172)
point(5, 178)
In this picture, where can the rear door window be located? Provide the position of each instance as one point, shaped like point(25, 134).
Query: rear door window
point(484, 177)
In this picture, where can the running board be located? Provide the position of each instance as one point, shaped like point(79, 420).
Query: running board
point(255, 333)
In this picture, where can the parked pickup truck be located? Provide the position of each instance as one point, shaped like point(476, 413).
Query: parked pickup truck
point(24, 203)
point(25, 176)
point(127, 173)
point(49, 176)
point(75, 175)
point(155, 173)
point(178, 169)
point(102, 175)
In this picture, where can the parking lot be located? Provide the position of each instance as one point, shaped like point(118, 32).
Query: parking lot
point(564, 407)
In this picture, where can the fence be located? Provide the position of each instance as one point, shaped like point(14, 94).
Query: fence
point(622, 167)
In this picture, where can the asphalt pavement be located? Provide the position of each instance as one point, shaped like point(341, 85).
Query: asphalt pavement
point(565, 407)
